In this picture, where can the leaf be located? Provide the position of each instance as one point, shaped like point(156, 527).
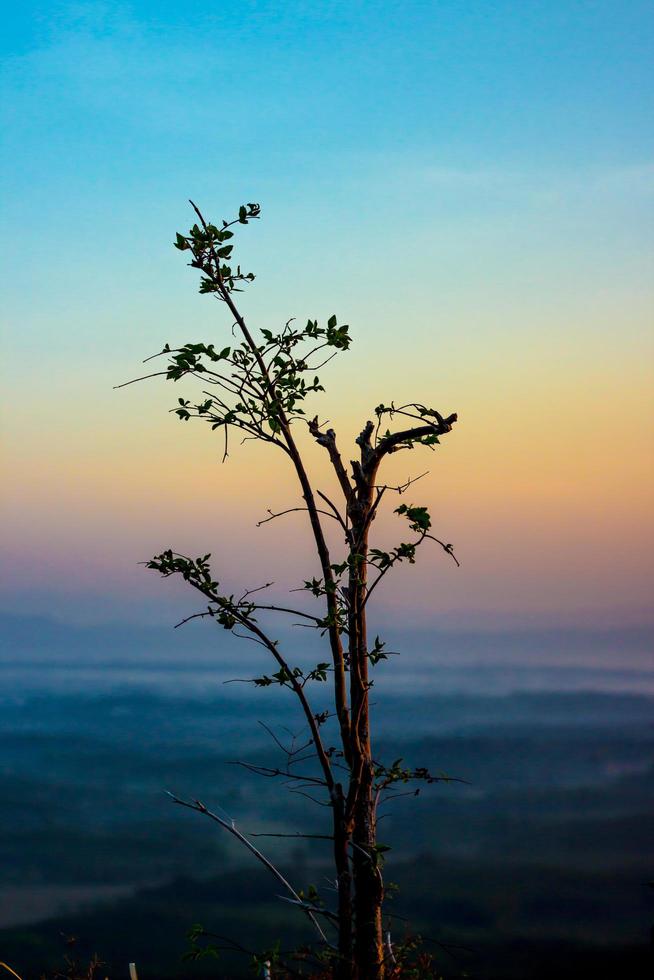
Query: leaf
point(418, 517)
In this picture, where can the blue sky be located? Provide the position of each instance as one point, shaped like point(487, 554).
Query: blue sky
point(104, 97)
point(438, 117)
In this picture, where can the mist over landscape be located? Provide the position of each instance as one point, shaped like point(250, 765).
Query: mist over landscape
point(541, 857)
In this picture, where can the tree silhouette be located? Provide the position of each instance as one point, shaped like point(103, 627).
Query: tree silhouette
point(258, 386)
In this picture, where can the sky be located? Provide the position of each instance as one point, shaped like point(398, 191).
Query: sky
point(469, 185)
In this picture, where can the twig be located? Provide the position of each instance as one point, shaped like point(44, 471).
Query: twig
point(292, 612)
point(188, 619)
point(447, 548)
point(260, 588)
point(272, 773)
point(403, 487)
point(309, 908)
point(231, 828)
point(292, 510)
point(298, 834)
point(9, 970)
point(157, 374)
point(337, 514)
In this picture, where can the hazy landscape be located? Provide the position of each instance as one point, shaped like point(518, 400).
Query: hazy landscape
point(539, 861)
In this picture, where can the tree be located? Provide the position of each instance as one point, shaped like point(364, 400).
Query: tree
point(259, 387)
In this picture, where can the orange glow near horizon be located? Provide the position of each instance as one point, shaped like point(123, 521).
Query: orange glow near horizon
point(544, 486)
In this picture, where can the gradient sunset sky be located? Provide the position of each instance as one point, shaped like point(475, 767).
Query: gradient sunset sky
point(469, 185)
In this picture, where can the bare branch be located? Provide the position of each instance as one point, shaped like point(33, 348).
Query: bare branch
point(259, 588)
point(308, 907)
point(293, 510)
point(272, 773)
point(296, 835)
point(157, 374)
point(188, 619)
point(337, 514)
point(447, 548)
point(402, 487)
point(277, 742)
point(231, 828)
point(291, 612)
point(328, 440)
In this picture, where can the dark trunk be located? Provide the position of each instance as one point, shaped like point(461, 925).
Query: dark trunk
point(368, 884)
point(343, 965)
point(369, 890)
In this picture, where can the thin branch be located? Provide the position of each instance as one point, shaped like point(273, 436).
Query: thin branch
point(166, 350)
point(298, 834)
point(277, 742)
point(188, 619)
point(403, 487)
point(373, 509)
point(447, 548)
point(322, 363)
point(231, 828)
point(337, 514)
point(308, 907)
point(293, 510)
point(260, 588)
point(291, 612)
point(250, 639)
point(258, 635)
point(9, 970)
point(157, 374)
point(272, 773)
point(300, 792)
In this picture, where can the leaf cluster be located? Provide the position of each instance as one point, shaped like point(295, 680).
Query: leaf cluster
point(377, 653)
point(210, 254)
point(387, 776)
point(417, 412)
point(225, 609)
point(256, 390)
point(418, 517)
point(285, 675)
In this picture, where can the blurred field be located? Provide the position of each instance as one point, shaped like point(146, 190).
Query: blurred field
point(538, 863)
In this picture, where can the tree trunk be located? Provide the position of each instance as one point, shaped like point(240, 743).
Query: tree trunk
point(343, 965)
point(368, 884)
point(369, 890)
